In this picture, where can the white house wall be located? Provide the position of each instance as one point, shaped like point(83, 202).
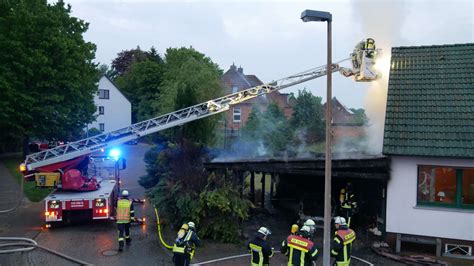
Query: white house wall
point(403, 216)
point(117, 109)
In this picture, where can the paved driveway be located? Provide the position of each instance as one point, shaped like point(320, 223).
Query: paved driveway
point(93, 242)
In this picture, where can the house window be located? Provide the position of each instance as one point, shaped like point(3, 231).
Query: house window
point(236, 115)
point(445, 186)
point(235, 89)
point(103, 94)
point(102, 126)
point(101, 110)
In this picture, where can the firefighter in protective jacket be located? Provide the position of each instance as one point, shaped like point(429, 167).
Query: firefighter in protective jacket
point(259, 248)
point(185, 244)
point(348, 203)
point(342, 243)
point(301, 251)
point(125, 213)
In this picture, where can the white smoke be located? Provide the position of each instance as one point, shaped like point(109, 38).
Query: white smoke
point(381, 20)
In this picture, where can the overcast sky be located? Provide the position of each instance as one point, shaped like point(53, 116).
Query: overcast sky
point(267, 38)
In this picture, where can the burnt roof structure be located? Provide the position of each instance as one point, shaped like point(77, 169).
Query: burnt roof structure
point(354, 166)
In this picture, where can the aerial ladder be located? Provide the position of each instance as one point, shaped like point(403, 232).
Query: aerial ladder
point(362, 58)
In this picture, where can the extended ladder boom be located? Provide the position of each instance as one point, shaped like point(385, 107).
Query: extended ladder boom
point(199, 111)
point(362, 61)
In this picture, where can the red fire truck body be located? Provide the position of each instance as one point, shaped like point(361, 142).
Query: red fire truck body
point(97, 205)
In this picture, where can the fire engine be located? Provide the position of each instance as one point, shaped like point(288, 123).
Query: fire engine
point(85, 184)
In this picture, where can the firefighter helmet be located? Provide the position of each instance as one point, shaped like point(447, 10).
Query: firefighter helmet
point(294, 228)
point(264, 231)
point(191, 225)
point(311, 224)
point(305, 231)
point(340, 220)
point(125, 193)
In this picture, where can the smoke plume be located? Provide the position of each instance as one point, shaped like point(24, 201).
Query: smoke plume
point(381, 20)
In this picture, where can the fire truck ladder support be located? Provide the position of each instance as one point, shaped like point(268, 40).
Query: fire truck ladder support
point(202, 110)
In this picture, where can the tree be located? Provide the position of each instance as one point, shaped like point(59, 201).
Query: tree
point(250, 131)
point(126, 58)
point(359, 116)
point(190, 78)
point(276, 129)
point(47, 76)
point(184, 191)
point(104, 70)
point(308, 116)
point(141, 85)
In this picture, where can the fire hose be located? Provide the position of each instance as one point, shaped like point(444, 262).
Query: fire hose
point(32, 245)
point(246, 255)
point(158, 224)
point(224, 258)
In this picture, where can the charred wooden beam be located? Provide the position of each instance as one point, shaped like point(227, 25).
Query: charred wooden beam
point(366, 168)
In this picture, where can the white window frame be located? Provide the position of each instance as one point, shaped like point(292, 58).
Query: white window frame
point(101, 110)
point(102, 127)
point(237, 114)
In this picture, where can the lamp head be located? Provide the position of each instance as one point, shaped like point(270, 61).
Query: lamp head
point(314, 15)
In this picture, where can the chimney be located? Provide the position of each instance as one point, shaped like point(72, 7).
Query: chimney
point(233, 67)
point(241, 70)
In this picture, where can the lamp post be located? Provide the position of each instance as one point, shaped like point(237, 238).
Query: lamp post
point(306, 16)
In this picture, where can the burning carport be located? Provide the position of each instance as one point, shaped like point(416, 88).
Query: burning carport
point(299, 183)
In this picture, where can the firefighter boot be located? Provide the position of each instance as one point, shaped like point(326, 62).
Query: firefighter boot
point(128, 241)
point(120, 249)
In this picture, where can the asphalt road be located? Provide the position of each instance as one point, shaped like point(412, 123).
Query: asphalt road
point(93, 242)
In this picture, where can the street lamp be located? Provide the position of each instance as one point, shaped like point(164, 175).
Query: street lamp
point(306, 16)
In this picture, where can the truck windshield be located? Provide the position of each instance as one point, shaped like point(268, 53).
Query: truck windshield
point(102, 168)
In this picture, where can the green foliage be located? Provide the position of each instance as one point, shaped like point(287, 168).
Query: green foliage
point(29, 189)
point(270, 129)
point(308, 117)
point(185, 192)
point(157, 160)
point(226, 205)
point(93, 132)
point(141, 85)
point(47, 76)
point(277, 131)
point(126, 59)
point(190, 78)
point(359, 116)
point(104, 70)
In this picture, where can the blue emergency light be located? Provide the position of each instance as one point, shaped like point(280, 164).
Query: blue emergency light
point(114, 153)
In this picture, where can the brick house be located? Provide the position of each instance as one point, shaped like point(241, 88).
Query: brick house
point(235, 80)
point(429, 136)
point(343, 124)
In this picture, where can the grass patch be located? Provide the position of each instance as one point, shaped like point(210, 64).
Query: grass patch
point(29, 189)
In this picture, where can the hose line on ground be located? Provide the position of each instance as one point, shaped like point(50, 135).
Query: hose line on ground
point(17, 239)
point(159, 231)
point(31, 246)
point(246, 255)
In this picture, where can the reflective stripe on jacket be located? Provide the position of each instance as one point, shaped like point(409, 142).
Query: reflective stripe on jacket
point(187, 244)
point(123, 211)
point(300, 251)
point(342, 245)
point(260, 251)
